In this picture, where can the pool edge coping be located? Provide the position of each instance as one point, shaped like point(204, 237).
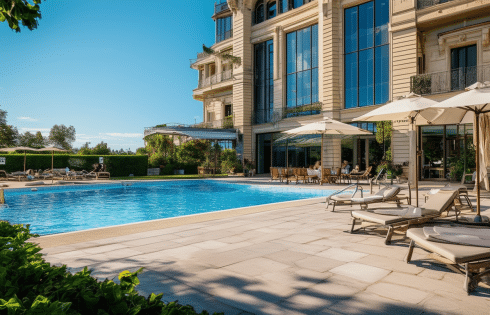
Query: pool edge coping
point(70, 238)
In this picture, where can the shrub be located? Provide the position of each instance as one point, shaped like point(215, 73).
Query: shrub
point(230, 162)
point(29, 285)
point(117, 165)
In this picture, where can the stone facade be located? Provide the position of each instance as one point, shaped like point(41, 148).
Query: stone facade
point(421, 36)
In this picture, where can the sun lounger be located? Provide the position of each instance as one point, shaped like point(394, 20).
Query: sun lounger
point(393, 219)
point(472, 261)
point(103, 175)
point(384, 195)
point(364, 175)
point(18, 176)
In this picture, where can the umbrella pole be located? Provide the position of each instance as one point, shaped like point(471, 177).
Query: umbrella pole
point(477, 151)
point(417, 171)
point(321, 161)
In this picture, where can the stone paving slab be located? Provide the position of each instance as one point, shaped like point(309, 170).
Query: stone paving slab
point(293, 259)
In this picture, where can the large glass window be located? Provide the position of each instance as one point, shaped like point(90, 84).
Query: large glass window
point(224, 28)
point(263, 82)
point(366, 48)
point(463, 67)
point(302, 67)
point(267, 10)
point(271, 9)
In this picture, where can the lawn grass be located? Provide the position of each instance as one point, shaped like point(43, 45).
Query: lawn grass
point(159, 177)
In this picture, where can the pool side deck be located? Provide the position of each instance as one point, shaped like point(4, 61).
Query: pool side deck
point(287, 258)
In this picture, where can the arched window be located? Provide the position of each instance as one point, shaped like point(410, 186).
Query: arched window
point(259, 12)
point(271, 9)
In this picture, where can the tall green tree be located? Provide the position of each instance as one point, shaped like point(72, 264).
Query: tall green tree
point(101, 149)
point(62, 136)
point(32, 140)
point(8, 135)
point(20, 11)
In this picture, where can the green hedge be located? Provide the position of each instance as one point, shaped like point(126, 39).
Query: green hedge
point(117, 165)
point(29, 285)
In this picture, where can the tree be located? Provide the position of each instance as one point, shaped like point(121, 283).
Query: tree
point(85, 149)
point(15, 11)
point(101, 149)
point(33, 141)
point(8, 135)
point(62, 136)
point(3, 117)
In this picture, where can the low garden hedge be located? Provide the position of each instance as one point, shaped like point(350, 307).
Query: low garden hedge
point(117, 165)
point(29, 285)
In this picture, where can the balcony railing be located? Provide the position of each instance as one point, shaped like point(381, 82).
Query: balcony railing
point(200, 56)
point(422, 4)
point(224, 36)
point(225, 123)
point(262, 116)
point(448, 81)
point(220, 7)
point(217, 78)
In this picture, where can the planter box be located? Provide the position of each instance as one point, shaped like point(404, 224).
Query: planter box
point(153, 171)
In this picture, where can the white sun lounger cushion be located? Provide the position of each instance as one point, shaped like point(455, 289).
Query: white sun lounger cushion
point(367, 199)
point(377, 218)
point(456, 253)
point(342, 197)
point(458, 235)
point(391, 192)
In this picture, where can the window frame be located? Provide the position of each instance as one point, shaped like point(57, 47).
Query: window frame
point(357, 52)
point(314, 66)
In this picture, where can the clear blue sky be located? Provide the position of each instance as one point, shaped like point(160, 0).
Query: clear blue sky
point(108, 68)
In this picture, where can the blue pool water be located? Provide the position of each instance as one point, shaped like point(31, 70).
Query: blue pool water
point(74, 208)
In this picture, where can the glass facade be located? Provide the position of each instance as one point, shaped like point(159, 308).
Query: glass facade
point(366, 49)
point(265, 10)
point(224, 27)
point(302, 67)
point(263, 82)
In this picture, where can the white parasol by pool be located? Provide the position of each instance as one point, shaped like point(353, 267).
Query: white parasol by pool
point(475, 102)
point(413, 107)
point(19, 149)
point(327, 127)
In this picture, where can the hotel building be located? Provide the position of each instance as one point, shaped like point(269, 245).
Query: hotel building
point(279, 63)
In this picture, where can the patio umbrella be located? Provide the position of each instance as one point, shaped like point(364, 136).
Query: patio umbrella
point(19, 149)
point(458, 109)
point(407, 107)
point(329, 127)
point(52, 149)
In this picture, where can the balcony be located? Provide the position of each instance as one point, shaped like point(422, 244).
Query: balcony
point(449, 81)
point(200, 56)
point(215, 79)
point(422, 4)
point(225, 123)
point(262, 116)
point(220, 7)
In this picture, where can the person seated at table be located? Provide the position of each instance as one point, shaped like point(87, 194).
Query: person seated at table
point(345, 167)
point(317, 165)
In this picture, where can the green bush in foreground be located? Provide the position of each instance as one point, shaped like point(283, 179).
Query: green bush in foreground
point(29, 285)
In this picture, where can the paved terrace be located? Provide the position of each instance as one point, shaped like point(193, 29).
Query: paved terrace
point(288, 258)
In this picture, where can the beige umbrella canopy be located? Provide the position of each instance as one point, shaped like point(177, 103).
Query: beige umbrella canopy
point(457, 109)
point(19, 149)
point(329, 127)
point(413, 107)
point(52, 149)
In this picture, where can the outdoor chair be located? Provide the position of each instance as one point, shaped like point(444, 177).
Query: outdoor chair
point(301, 173)
point(326, 173)
point(286, 174)
point(393, 219)
point(450, 245)
point(312, 175)
point(386, 194)
point(17, 176)
point(461, 189)
point(103, 175)
point(275, 174)
point(337, 176)
point(364, 175)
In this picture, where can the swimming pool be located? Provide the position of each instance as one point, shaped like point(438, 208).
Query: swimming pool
point(60, 209)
